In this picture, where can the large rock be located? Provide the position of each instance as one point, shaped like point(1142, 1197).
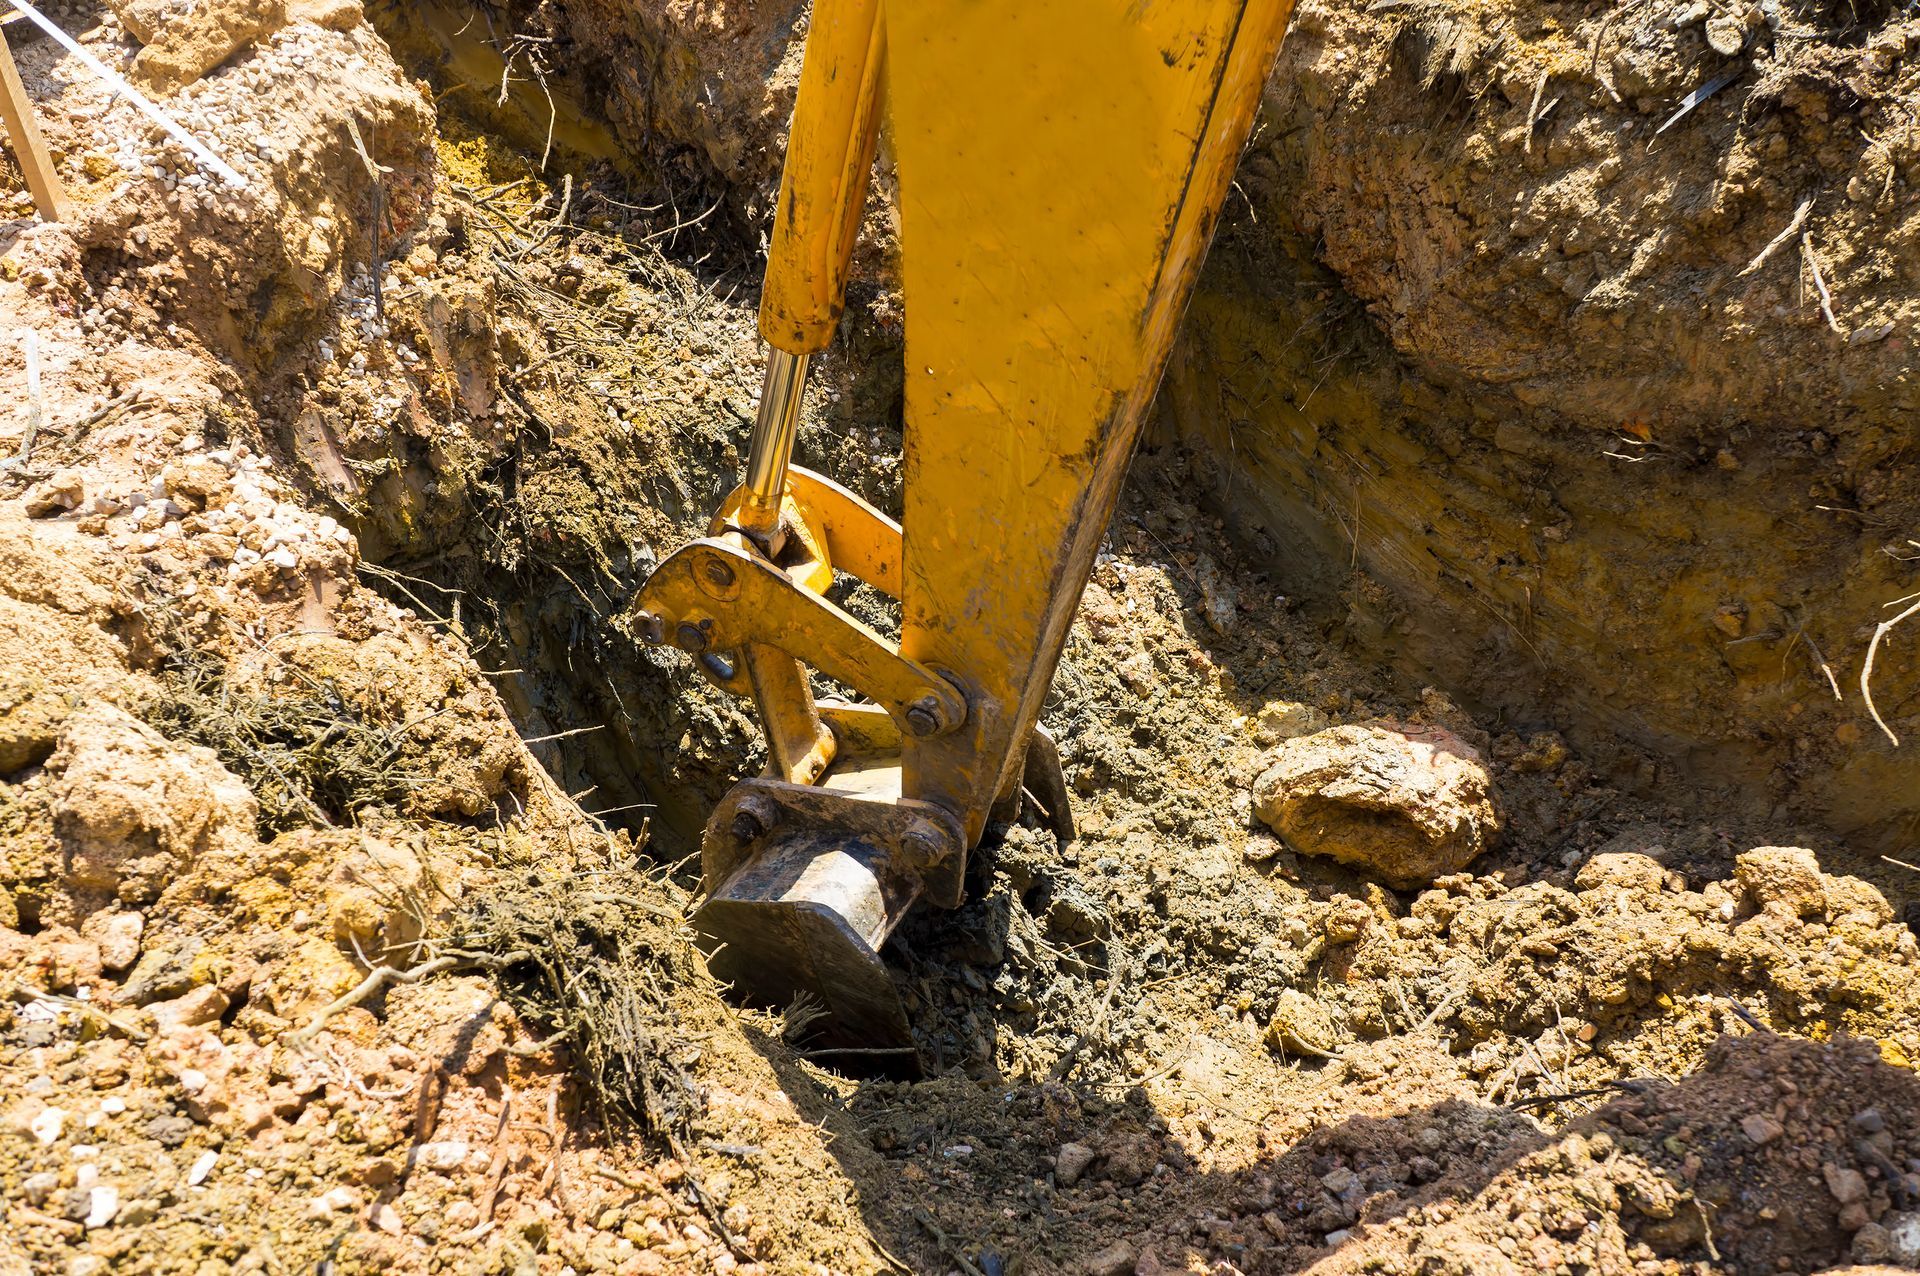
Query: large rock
point(1407, 803)
point(133, 809)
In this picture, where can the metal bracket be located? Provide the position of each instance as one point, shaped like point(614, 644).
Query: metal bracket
point(711, 596)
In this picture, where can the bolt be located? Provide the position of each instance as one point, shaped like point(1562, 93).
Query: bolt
point(650, 627)
point(923, 846)
point(719, 572)
point(689, 638)
point(755, 816)
point(923, 716)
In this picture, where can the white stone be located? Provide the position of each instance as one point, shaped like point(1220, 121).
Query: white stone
point(445, 1154)
point(329, 1203)
point(47, 1126)
point(102, 1204)
point(202, 1167)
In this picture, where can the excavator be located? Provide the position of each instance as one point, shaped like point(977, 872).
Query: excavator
point(1059, 168)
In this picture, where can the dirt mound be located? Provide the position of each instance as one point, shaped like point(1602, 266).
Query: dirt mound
point(312, 959)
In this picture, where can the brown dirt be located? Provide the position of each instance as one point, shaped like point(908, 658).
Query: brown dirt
point(1512, 399)
point(323, 573)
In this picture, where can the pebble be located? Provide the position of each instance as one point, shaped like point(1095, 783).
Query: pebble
point(39, 1188)
point(1071, 1162)
point(1115, 1260)
point(193, 1081)
point(47, 1126)
point(1903, 1237)
point(329, 1203)
point(103, 1203)
point(202, 1166)
point(1847, 1185)
point(1761, 1129)
point(445, 1154)
point(113, 1105)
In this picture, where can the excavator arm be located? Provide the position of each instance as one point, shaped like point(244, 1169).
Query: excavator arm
point(1061, 164)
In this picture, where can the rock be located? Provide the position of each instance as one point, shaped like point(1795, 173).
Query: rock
point(1785, 880)
point(204, 1004)
point(334, 15)
point(39, 1188)
point(198, 482)
point(202, 1166)
point(103, 1202)
point(1409, 803)
point(1630, 871)
point(1903, 1237)
point(1847, 1185)
point(1726, 35)
point(169, 1129)
point(63, 492)
point(332, 1202)
point(1871, 1244)
point(182, 48)
point(162, 972)
point(117, 935)
point(447, 1154)
point(1117, 1259)
point(132, 807)
point(372, 898)
point(1070, 1162)
point(1302, 1026)
point(1220, 603)
point(1286, 720)
point(1761, 1129)
point(138, 1213)
point(1869, 1121)
point(47, 1126)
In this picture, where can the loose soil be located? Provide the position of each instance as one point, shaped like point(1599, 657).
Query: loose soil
point(343, 824)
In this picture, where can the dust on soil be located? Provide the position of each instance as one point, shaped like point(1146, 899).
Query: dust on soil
point(237, 776)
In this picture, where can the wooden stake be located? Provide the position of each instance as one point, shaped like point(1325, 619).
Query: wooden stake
point(29, 148)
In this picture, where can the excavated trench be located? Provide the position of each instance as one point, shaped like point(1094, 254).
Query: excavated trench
point(1463, 441)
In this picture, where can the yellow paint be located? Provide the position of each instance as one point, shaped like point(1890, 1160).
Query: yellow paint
point(1061, 164)
point(823, 182)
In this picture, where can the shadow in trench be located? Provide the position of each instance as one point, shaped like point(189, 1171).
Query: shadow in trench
point(1769, 1158)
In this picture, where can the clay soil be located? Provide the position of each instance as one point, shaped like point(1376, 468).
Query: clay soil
point(344, 826)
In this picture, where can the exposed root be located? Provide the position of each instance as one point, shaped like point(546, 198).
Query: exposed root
point(1873, 650)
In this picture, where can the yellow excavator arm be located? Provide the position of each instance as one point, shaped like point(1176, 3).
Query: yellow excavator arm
point(1061, 164)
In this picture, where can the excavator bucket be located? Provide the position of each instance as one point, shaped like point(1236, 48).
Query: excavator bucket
point(1060, 166)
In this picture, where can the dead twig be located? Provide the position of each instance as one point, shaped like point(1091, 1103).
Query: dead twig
point(1593, 50)
point(1880, 631)
point(381, 976)
point(376, 172)
point(37, 406)
point(496, 1171)
point(1779, 241)
point(945, 1242)
point(1533, 111)
point(1819, 282)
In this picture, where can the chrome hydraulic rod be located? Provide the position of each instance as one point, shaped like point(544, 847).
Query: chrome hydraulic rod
point(774, 428)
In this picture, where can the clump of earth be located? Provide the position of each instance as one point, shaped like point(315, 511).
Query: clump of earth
point(342, 823)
